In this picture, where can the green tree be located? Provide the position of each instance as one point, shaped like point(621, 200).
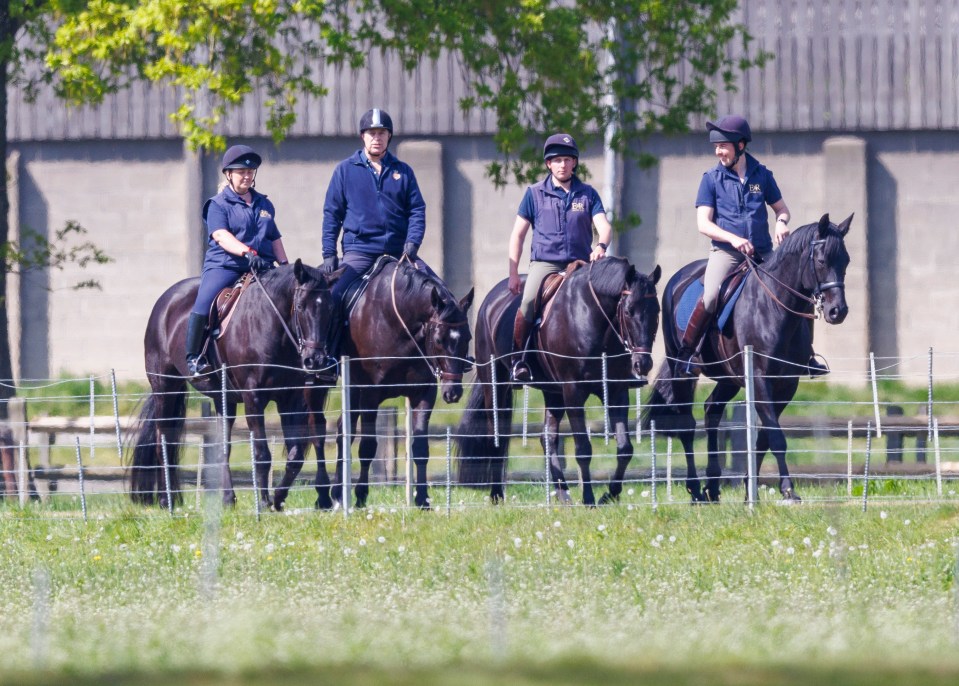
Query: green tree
point(633, 67)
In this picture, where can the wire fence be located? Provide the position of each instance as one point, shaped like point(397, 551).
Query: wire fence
point(891, 436)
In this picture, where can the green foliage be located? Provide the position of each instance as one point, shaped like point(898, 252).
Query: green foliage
point(639, 66)
point(36, 251)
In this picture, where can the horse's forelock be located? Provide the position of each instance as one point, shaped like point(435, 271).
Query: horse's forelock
point(420, 284)
point(607, 275)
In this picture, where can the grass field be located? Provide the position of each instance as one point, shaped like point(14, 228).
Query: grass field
point(524, 595)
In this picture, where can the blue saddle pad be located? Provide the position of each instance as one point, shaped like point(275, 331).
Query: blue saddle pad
point(692, 295)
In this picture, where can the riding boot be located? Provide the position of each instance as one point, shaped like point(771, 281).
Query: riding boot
point(692, 337)
point(196, 364)
point(522, 328)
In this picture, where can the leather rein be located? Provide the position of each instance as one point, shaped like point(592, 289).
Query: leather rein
point(622, 333)
point(818, 294)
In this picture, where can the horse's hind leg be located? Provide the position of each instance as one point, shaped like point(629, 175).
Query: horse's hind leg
point(367, 452)
point(715, 407)
point(315, 399)
point(422, 411)
point(550, 442)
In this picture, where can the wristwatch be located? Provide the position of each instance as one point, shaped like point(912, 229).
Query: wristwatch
point(603, 246)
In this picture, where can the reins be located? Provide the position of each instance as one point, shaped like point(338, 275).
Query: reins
point(298, 342)
point(620, 314)
point(436, 371)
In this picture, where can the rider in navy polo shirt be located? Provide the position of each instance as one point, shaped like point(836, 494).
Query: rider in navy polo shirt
point(242, 236)
point(374, 201)
point(561, 210)
point(731, 211)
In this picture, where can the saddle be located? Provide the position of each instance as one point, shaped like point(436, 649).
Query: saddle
point(224, 305)
point(359, 286)
point(729, 293)
point(549, 288)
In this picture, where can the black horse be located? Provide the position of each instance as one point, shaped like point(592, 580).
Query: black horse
point(274, 344)
point(407, 334)
point(772, 314)
point(606, 307)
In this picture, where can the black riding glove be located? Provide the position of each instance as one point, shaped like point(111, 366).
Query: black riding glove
point(410, 250)
point(330, 264)
point(257, 264)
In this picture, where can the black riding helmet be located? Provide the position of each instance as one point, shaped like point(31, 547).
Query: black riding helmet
point(241, 157)
point(560, 144)
point(376, 119)
point(730, 129)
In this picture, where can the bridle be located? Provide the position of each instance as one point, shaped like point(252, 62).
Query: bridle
point(622, 331)
point(301, 343)
point(434, 322)
point(818, 293)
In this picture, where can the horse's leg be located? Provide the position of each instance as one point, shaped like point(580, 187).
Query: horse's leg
point(9, 475)
point(255, 404)
point(367, 451)
point(715, 406)
point(315, 398)
point(771, 400)
point(504, 416)
point(336, 491)
point(619, 418)
point(584, 447)
point(555, 410)
point(422, 411)
point(221, 472)
point(294, 420)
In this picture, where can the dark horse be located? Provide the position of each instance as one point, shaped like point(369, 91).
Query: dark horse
point(605, 307)
point(274, 344)
point(773, 315)
point(406, 335)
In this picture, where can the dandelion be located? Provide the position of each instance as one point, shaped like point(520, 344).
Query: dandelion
point(630, 491)
point(556, 524)
point(831, 531)
point(401, 549)
point(539, 535)
point(775, 544)
point(369, 516)
point(270, 548)
point(790, 550)
point(97, 558)
point(517, 542)
point(645, 494)
point(630, 507)
point(49, 537)
point(198, 553)
point(817, 553)
point(907, 522)
point(654, 543)
point(659, 537)
point(362, 542)
point(672, 539)
point(570, 543)
point(381, 539)
point(174, 548)
point(883, 515)
point(239, 535)
point(807, 542)
point(601, 527)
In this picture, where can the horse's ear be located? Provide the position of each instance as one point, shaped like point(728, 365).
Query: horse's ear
point(467, 300)
point(843, 228)
point(824, 224)
point(298, 270)
point(436, 299)
point(656, 274)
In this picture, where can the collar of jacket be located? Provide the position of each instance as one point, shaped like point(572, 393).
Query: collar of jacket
point(752, 164)
point(549, 187)
point(360, 158)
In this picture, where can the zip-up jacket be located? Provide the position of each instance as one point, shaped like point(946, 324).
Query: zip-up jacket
point(252, 224)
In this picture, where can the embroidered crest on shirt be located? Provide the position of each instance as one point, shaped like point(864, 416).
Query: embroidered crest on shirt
point(578, 206)
point(755, 188)
point(265, 214)
point(397, 176)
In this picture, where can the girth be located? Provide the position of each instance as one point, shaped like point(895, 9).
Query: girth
point(224, 305)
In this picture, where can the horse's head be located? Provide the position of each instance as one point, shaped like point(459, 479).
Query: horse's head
point(447, 338)
point(638, 319)
point(313, 313)
point(824, 272)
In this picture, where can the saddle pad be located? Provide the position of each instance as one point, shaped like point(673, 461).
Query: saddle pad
point(691, 296)
point(357, 288)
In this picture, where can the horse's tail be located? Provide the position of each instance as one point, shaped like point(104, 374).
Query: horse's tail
point(162, 415)
point(481, 462)
point(671, 403)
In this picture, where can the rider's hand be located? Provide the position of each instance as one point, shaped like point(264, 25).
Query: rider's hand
point(330, 264)
point(515, 284)
point(782, 230)
point(598, 252)
point(410, 250)
point(256, 263)
point(743, 245)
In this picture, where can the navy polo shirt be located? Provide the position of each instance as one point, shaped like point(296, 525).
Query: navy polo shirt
point(562, 222)
point(252, 224)
point(740, 207)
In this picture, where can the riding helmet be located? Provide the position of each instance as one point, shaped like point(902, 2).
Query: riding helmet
point(241, 157)
point(730, 129)
point(376, 119)
point(560, 144)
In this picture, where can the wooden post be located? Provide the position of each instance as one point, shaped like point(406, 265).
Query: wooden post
point(894, 436)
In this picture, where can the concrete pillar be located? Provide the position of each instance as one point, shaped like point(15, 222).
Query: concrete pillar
point(846, 346)
point(426, 159)
point(193, 199)
point(13, 278)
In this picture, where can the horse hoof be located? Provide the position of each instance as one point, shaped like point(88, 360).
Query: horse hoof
point(790, 496)
point(562, 496)
point(608, 499)
point(697, 498)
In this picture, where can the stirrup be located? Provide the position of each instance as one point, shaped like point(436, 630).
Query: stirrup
point(687, 366)
point(816, 368)
point(521, 372)
point(198, 365)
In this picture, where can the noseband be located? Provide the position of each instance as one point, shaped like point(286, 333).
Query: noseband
point(622, 331)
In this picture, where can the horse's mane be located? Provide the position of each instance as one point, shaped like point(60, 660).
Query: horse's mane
point(797, 241)
point(607, 275)
point(419, 281)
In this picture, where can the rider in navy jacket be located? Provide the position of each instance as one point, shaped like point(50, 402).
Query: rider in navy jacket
point(243, 237)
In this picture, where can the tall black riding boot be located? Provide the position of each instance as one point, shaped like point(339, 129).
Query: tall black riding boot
point(196, 364)
point(522, 327)
point(698, 323)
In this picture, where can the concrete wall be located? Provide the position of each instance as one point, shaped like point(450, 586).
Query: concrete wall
point(140, 201)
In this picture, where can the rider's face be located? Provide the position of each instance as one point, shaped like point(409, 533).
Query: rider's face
point(561, 167)
point(726, 152)
point(375, 142)
point(241, 179)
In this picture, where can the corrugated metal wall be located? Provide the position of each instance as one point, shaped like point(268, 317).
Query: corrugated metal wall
point(841, 65)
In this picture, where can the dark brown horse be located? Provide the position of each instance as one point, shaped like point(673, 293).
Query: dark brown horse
point(407, 337)
point(773, 315)
point(274, 345)
point(607, 307)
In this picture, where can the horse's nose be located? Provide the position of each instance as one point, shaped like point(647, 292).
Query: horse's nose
point(452, 392)
point(642, 364)
point(838, 313)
